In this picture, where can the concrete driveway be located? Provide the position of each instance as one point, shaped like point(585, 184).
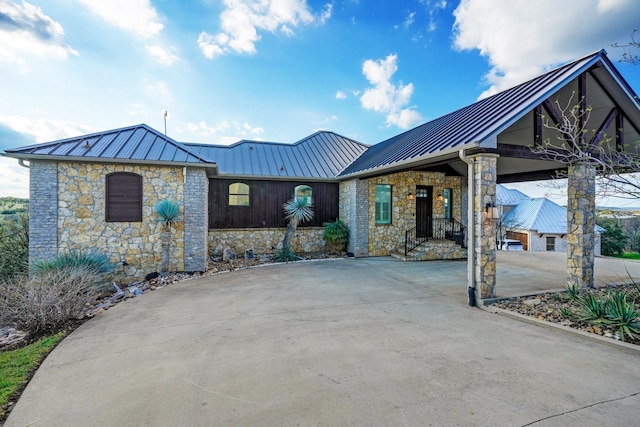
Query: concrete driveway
point(356, 342)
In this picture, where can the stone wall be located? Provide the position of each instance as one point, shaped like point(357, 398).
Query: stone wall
point(581, 221)
point(133, 247)
point(264, 240)
point(43, 211)
point(385, 239)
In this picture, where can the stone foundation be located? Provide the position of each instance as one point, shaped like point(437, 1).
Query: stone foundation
point(264, 240)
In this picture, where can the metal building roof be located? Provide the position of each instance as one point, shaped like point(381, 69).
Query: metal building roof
point(139, 143)
point(541, 215)
point(321, 155)
point(509, 197)
point(477, 124)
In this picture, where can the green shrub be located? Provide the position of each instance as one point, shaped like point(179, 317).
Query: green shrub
point(613, 309)
point(285, 255)
point(168, 212)
point(613, 239)
point(336, 234)
point(89, 261)
point(14, 246)
point(43, 303)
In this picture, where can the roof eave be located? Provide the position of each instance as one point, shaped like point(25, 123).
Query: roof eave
point(407, 163)
point(278, 177)
point(47, 157)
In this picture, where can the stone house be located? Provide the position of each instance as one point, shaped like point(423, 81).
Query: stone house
point(432, 184)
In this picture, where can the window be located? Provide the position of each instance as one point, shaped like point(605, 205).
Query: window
point(448, 206)
point(123, 198)
point(238, 194)
point(383, 204)
point(551, 244)
point(303, 191)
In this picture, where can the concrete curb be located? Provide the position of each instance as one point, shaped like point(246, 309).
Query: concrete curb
point(621, 345)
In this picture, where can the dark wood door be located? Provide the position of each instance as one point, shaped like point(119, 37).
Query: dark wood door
point(424, 210)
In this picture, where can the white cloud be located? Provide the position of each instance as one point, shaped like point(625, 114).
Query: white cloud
point(242, 20)
point(202, 128)
point(409, 20)
point(225, 132)
point(158, 90)
point(341, 95)
point(385, 97)
point(162, 55)
point(521, 38)
point(137, 109)
point(26, 29)
point(44, 130)
point(138, 17)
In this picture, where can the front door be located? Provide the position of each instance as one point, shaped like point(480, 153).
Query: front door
point(424, 209)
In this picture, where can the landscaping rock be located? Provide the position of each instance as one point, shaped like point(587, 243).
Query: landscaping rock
point(228, 255)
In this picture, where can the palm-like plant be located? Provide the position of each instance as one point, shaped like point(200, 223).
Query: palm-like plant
point(168, 212)
point(296, 210)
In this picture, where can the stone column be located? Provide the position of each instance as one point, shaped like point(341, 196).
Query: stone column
point(196, 219)
point(581, 222)
point(43, 211)
point(484, 233)
point(354, 212)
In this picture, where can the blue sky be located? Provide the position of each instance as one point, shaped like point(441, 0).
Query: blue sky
point(277, 70)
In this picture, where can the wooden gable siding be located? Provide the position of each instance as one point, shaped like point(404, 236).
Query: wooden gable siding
point(265, 203)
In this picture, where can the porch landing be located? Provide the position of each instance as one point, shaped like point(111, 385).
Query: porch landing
point(433, 250)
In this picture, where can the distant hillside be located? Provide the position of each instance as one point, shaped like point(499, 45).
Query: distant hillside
point(13, 205)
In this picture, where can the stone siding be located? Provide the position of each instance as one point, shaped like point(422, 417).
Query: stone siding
point(43, 211)
point(354, 213)
point(384, 239)
point(133, 247)
point(264, 240)
point(196, 220)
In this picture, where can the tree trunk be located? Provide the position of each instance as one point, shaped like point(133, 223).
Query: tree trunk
point(288, 237)
point(166, 247)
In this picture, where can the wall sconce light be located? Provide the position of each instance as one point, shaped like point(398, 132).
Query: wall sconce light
point(439, 197)
point(410, 196)
point(490, 211)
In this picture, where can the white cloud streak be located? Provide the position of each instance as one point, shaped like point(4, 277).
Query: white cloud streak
point(223, 130)
point(26, 29)
point(385, 97)
point(162, 55)
point(138, 17)
point(242, 20)
point(341, 95)
point(521, 38)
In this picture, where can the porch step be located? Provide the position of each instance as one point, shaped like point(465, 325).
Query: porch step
point(433, 250)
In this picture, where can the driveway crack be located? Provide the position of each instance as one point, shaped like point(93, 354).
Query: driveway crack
point(581, 408)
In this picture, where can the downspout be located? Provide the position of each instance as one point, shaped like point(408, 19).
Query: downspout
point(21, 163)
point(471, 250)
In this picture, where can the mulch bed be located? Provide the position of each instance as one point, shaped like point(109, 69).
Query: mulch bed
point(557, 307)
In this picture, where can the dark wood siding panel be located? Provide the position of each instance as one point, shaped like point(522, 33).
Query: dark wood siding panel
point(266, 200)
point(123, 197)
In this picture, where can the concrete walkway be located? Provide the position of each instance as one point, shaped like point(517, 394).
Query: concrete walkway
point(364, 342)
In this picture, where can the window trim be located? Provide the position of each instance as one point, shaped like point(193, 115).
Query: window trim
point(230, 194)
point(553, 240)
point(379, 210)
point(109, 215)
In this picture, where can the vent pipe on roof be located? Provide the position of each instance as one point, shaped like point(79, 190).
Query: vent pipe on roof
point(471, 250)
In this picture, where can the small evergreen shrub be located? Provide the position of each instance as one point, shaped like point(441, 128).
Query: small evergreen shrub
point(14, 246)
point(336, 234)
point(88, 261)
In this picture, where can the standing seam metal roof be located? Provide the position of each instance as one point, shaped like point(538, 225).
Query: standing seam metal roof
point(475, 123)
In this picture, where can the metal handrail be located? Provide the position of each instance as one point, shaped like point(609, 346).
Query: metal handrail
point(435, 229)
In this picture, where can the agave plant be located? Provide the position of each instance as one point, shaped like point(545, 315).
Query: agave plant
point(168, 213)
point(296, 210)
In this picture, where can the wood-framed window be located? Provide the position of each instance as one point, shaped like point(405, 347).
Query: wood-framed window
point(123, 197)
point(383, 204)
point(239, 193)
point(303, 191)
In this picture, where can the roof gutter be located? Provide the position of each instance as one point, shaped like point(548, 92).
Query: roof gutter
point(471, 249)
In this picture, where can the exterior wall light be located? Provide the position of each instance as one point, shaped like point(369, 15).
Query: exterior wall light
point(410, 196)
point(490, 211)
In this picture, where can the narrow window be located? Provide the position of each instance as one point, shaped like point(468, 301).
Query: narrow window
point(551, 244)
point(238, 194)
point(123, 198)
point(448, 205)
point(303, 191)
point(383, 204)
